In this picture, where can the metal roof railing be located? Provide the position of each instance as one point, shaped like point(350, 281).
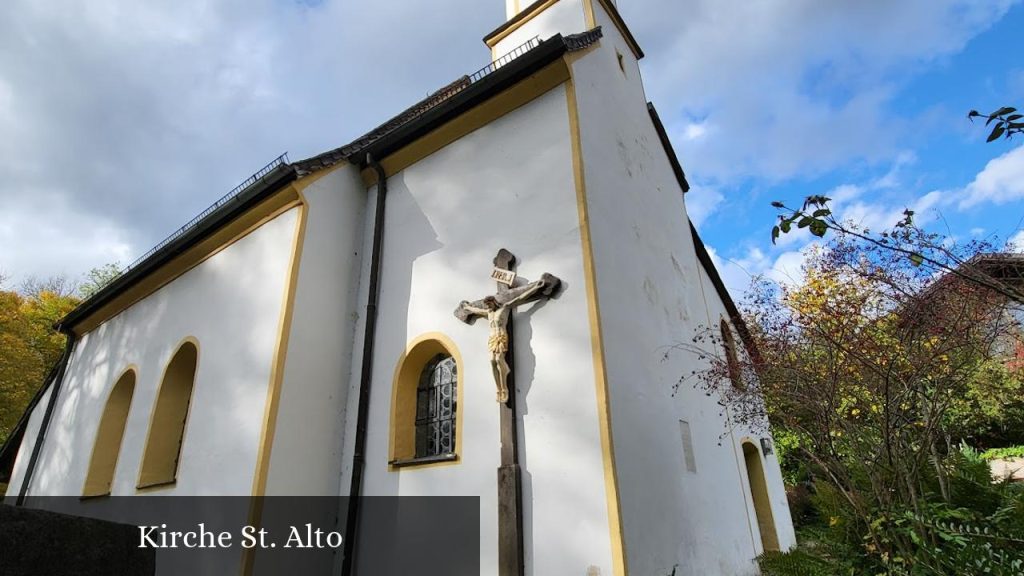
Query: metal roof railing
point(262, 172)
point(508, 57)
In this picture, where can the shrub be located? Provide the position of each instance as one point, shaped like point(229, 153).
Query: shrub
point(1003, 453)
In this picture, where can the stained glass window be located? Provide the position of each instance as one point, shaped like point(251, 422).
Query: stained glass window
point(435, 408)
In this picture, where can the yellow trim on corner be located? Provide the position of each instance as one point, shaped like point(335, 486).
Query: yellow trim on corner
point(617, 536)
point(266, 442)
point(401, 438)
point(226, 236)
point(483, 114)
point(270, 409)
point(617, 21)
point(588, 13)
point(270, 208)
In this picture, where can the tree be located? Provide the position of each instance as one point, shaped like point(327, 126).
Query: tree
point(932, 252)
point(60, 285)
point(862, 370)
point(98, 278)
point(817, 217)
point(30, 346)
point(1007, 122)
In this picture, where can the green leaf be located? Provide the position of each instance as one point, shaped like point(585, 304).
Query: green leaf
point(805, 222)
point(821, 212)
point(1013, 117)
point(996, 133)
point(916, 259)
point(775, 234)
point(973, 114)
point(818, 228)
point(785, 226)
point(777, 204)
point(1003, 111)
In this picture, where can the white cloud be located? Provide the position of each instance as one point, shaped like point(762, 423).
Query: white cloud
point(695, 130)
point(784, 268)
point(43, 236)
point(798, 87)
point(891, 179)
point(1016, 242)
point(132, 117)
point(701, 202)
point(1000, 182)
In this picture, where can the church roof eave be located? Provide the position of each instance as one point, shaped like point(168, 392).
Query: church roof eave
point(450, 102)
point(730, 306)
point(189, 235)
point(443, 105)
point(677, 168)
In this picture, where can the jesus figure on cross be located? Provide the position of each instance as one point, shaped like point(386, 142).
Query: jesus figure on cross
point(497, 309)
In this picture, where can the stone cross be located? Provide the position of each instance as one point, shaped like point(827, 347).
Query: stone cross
point(498, 308)
point(498, 311)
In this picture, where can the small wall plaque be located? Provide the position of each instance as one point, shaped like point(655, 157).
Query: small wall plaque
point(766, 446)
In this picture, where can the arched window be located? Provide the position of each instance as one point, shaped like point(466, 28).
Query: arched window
point(107, 447)
point(759, 494)
point(732, 361)
point(167, 427)
point(425, 401)
point(436, 407)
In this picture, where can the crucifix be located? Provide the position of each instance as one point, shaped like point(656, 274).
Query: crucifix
point(498, 310)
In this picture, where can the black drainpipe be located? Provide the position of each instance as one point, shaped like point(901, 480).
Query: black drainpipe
point(366, 373)
point(58, 379)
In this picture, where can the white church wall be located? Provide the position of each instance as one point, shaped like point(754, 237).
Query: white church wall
point(306, 453)
point(230, 304)
point(506, 185)
point(28, 441)
point(565, 16)
point(739, 433)
point(651, 297)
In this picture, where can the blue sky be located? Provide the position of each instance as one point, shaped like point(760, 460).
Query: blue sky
point(120, 120)
point(927, 158)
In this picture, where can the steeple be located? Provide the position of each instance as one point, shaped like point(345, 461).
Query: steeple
point(543, 19)
point(514, 7)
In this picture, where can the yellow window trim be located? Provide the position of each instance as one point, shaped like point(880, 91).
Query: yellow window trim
point(402, 436)
point(140, 485)
point(100, 443)
point(732, 359)
point(761, 500)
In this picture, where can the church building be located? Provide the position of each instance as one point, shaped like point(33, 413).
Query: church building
point(473, 299)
